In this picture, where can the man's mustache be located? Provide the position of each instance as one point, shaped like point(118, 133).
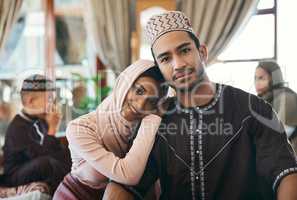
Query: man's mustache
point(181, 73)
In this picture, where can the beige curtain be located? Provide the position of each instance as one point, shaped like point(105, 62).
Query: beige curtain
point(217, 21)
point(9, 10)
point(107, 23)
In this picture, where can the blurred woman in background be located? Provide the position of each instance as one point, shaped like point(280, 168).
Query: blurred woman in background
point(270, 85)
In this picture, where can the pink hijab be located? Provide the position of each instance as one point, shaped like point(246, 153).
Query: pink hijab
point(114, 129)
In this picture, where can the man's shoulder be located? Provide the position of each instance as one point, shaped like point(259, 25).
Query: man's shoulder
point(17, 126)
point(240, 95)
point(237, 92)
point(250, 102)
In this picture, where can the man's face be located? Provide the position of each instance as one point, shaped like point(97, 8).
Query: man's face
point(179, 59)
point(42, 101)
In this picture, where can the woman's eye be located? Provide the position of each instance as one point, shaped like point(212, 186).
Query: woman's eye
point(139, 91)
point(259, 78)
point(153, 101)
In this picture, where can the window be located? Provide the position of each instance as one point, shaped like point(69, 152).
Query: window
point(144, 10)
point(70, 33)
point(254, 43)
point(257, 40)
point(287, 33)
point(26, 39)
point(25, 51)
point(265, 4)
point(145, 52)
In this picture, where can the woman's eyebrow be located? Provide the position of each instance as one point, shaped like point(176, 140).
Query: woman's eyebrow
point(140, 86)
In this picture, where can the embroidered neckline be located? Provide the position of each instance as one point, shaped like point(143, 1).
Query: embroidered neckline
point(214, 101)
point(207, 107)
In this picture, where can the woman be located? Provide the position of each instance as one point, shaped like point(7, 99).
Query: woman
point(100, 141)
point(270, 86)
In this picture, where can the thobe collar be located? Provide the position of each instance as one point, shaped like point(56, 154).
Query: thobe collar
point(28, 117)
point(39, 124)
point(205, 107)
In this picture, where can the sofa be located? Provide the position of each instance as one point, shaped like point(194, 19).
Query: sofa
point(31, 191)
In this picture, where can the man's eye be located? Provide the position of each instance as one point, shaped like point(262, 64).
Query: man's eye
point(185, 50)
point(164, 59)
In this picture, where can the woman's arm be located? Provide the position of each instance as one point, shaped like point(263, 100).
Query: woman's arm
point(128, 170)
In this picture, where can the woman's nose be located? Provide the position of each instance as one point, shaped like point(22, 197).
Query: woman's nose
point(141, 104)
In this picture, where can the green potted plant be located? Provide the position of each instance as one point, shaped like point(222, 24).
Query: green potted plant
point(89, 103)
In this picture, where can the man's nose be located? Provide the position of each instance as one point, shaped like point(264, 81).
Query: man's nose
point(178, 62)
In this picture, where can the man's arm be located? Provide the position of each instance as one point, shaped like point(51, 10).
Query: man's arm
point(287, 188)
point(275, 158)
point(117, 191)
point(148, 178)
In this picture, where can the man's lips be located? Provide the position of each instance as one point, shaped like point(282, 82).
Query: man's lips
point(182, 74)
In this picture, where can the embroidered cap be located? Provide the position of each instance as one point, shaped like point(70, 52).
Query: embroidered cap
point(167, 22)
point(38, 82)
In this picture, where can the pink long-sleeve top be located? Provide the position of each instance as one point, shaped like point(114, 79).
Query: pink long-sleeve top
point(99, 142)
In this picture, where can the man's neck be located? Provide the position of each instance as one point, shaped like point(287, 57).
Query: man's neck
point(201, 96)
point(32, 114)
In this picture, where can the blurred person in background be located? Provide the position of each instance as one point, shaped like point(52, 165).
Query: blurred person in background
point(31, 150)
point(270, 86)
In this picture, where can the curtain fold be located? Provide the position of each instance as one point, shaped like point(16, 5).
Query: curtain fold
point(108, 24)
point(9, 11)
point(216, 22)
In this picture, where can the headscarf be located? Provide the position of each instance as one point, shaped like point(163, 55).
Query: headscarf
point(282, 98)
point(115, 129)
point(273, 69)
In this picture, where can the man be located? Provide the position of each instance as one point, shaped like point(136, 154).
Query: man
point(216, 141)
point(31, 152)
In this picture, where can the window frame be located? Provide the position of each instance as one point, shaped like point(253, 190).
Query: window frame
point(273, 11)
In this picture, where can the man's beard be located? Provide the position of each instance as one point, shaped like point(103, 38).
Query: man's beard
point(194, 85)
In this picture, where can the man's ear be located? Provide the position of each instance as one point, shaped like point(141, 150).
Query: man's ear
point(29, 100)
point(203, 53)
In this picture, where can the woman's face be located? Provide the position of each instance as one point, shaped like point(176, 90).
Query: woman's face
point(141, 99)
point(262, 80)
